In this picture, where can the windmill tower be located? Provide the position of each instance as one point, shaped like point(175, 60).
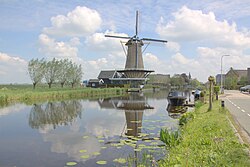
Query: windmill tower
point(134, 68)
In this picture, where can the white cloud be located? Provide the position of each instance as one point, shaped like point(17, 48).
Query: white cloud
point(12, 109)
point(173, 46)
point(194, 25)
point(109, 62)
point(99, 42)
point(71, 142)
point(152, 62)
point(179, 58)
point(82, 21)
point(13, 69)
point(206, 63)
point(51, 48)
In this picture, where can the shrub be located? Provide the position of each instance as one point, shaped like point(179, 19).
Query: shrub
point(202, 94)
point(216, 89)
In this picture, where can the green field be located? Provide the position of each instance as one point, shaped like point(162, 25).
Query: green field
point(208, 140)
point(25, 93)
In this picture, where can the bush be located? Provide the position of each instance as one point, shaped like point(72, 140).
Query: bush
point(202, 94)
point(216, 89)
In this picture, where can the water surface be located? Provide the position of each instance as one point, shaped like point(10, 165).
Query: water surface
point(118, 131)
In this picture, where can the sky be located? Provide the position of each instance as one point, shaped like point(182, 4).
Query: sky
point(199, 33)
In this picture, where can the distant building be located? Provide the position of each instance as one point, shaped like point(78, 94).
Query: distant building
point(236, 73)
point(218, 78)
point(159, 79)
point(236, 78)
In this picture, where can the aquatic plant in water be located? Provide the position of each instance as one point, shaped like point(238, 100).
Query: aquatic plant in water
point(170, 138)
point(185, 118)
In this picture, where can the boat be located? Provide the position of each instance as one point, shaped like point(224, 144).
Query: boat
point(176, 98)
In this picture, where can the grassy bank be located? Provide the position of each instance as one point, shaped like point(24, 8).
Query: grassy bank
point(11, 94)
point(208, 140)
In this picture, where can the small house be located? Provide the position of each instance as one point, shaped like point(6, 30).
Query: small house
point(110, 77)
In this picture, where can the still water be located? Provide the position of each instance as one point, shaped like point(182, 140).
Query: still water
point(120, 131)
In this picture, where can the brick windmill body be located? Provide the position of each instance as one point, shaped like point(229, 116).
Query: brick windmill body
point(134, 71)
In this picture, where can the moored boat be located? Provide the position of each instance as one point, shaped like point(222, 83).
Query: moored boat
point(176, 98)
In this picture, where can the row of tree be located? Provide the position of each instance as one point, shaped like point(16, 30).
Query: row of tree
point(180, 80)
point(54, 71)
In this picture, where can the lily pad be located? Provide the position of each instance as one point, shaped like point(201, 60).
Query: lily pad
point(82, 151)
point(120, 160)
point(96, 153)
point(135, 121)
point(117, 144)
point(71, 163)
point(130, 136)
point(137, 149)
point(143, 134)
point(101, 162)
point(85, 156)
point(101, 141)
point(154, 143)
point(85, 137)
point(142, 145)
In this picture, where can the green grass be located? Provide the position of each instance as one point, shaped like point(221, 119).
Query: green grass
point(25, 93)
point(208, 140)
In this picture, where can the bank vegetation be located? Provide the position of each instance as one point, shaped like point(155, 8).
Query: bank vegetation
point(206, 138)
point(25, 93)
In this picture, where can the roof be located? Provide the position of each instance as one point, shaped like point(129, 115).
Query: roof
point(106, 74)
point(93, 80)
point(239, 73)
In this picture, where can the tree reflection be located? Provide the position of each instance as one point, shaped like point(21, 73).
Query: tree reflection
point(54, 113)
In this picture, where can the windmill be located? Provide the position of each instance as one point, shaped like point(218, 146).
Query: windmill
point(134, 67)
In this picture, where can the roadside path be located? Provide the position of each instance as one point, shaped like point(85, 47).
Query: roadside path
point(239, 106)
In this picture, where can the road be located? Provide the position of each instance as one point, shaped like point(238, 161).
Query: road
point(239, 106)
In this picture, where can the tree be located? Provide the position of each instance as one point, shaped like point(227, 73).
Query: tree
point(211, 84)
point(64, 66)
point(36, 70)
point(231, 82)
point(177, 80)
point(243, 81)
point(51, 72)
point(194, 83)
point(74, 74)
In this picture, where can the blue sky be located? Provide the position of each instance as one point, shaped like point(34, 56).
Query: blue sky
point(199, 33)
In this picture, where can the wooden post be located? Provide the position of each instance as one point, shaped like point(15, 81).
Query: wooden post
point(210, 79)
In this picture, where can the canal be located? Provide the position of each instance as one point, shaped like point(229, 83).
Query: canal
point(119, 131)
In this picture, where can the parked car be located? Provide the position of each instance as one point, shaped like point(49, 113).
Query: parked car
point(245, 88)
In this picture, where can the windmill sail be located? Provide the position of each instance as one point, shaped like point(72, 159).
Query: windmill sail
point(114, 36)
